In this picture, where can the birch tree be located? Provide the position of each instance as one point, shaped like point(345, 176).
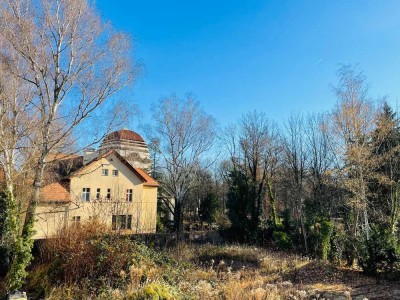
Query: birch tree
point(354, 119)
point(73, 62)
point(17, 128)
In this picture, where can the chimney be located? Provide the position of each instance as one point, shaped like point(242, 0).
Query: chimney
point(89, 155)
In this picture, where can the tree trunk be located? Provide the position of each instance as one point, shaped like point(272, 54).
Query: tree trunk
point(37, 184)
point(22, 251)
point(178, 220)
point(394, 218)
point(271, 195)
point(303, 227)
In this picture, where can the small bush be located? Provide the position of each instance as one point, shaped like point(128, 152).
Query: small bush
point(155, 291)
point(222, 221)
point(338, 244)
point(320, 238)
point(380, 254)
point(161, 224)
point(87, 252)
point(282, 240)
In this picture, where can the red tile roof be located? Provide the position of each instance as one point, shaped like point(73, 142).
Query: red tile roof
point(54, 192)
point(124, 134)
point(148, 181)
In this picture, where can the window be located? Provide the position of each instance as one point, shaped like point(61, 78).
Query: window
point(86, 194)
point(108, 193)
point(104, 172)
point(129, 222)
point(121, 222)
point(114, 172)
point(129, 194)
point(76, 219)
point(98, 194)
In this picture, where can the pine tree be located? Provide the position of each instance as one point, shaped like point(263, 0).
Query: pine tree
point(386, 185)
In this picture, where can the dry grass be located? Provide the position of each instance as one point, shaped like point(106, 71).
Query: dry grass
point(213, 272)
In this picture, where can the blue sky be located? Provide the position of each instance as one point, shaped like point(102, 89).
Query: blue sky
point(273, 56)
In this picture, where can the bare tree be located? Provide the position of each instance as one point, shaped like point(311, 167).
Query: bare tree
point(254, 149)
point(321, 162)
point(296, 160)
point(185, 134)
point(72, 61)
point(258, 142)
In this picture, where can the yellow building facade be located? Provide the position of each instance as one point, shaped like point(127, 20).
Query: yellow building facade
point(107, 189)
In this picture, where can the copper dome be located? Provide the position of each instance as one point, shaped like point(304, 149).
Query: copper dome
point(124, 134)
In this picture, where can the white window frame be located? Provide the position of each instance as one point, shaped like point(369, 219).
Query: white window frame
point(104, 172)
point(115, 173)
point(129, 195)
point(98, 194)
point(86, 194)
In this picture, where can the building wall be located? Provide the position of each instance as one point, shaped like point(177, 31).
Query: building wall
point(49, 219)
point(149, 209)
point(142, 208)
point(91, 177)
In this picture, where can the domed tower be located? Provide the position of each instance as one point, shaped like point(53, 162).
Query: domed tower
point(130, 145)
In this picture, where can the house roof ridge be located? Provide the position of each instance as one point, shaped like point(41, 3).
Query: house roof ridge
point(147, 179)
point(77, 172)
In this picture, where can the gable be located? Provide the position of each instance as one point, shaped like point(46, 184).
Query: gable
point(113, 161)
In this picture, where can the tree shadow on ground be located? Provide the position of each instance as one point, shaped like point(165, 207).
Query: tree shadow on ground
point(324, 277)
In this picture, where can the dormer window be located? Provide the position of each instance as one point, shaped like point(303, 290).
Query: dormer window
point(115, 173)
point(104, 172)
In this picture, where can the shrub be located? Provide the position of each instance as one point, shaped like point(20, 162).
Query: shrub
point(160, 227)
point(380, 254)
point(155, 291)
point(222, 221)
point(87, 252)
point(282, 240)
point(320, 237)
point(209, 208)
point(338, 243)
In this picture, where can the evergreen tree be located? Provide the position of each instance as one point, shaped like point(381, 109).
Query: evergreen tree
point(386, 186)
point(209, 207)
point(240, 203)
